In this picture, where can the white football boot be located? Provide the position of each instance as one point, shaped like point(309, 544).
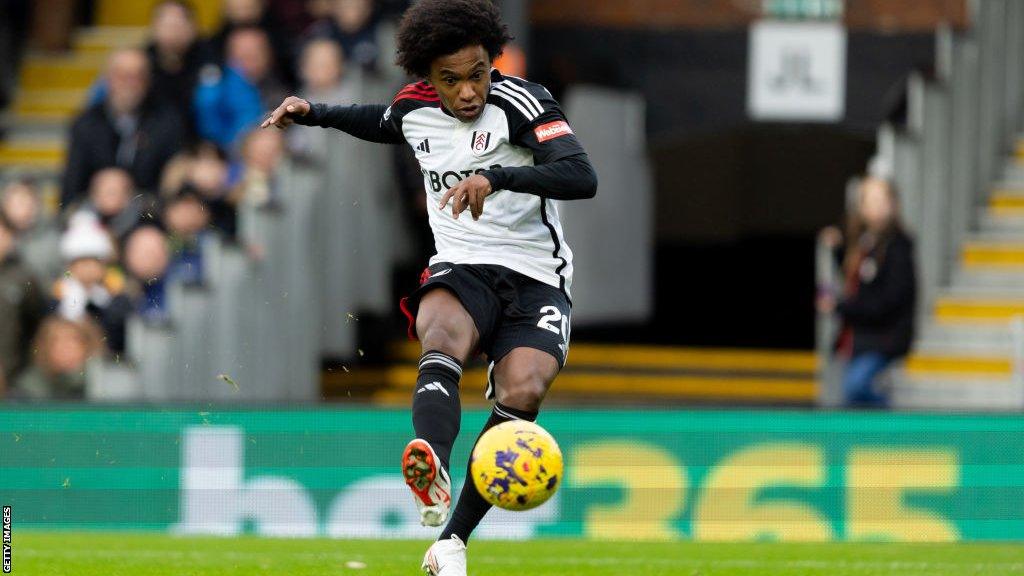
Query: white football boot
point(446, 558)
point(428, 481)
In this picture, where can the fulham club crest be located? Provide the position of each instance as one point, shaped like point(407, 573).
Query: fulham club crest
point(480, 142)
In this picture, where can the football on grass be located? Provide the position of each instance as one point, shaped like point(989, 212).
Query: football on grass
point(516, 465)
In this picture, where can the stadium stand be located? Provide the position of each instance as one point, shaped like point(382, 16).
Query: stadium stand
point(960, 168)
point(948, 160)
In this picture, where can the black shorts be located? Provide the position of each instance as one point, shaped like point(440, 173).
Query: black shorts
point(511, 310)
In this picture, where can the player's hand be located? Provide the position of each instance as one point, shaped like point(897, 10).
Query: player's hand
point(285, 114)
point(469, 193)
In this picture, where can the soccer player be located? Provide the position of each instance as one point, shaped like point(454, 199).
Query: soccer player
point(500, 148)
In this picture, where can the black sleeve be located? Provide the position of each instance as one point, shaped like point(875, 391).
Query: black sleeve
point(569, 178)
point(371, 122)
point(897, 290)
point(561, 170)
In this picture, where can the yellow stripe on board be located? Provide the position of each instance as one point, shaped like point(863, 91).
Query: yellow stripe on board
point(663, 358)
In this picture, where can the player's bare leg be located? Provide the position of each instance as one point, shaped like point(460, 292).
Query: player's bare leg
point(523, 377)
point(448, 334)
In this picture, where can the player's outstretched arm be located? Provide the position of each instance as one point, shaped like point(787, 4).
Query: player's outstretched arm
point(366, 122)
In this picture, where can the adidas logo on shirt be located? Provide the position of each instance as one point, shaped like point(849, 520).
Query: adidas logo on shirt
point(424, 146)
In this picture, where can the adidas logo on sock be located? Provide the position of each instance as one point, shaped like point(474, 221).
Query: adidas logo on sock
point(434, 386)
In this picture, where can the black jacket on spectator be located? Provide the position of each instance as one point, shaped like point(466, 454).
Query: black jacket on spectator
point(178, 86)
point(94, 143)
point(881, 313)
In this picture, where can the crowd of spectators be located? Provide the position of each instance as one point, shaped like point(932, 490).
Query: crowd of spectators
point(164, 154)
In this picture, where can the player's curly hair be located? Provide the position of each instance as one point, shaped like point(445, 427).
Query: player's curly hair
point(434, 28)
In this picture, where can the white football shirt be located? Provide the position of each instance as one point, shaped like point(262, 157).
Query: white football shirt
point(520, 125)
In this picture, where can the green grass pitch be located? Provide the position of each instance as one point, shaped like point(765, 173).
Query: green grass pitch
point(77, 554)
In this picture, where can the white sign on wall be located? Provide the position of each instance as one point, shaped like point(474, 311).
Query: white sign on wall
point(796, 71)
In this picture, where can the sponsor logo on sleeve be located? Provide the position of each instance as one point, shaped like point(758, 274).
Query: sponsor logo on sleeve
point(551, 130)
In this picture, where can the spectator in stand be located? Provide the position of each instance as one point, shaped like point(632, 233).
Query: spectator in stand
point(877, 302)
point(22, 305)
point(38, 237)
point(249, 52)
point(205, 169)
point(128, 128)
point(92, 288)
point(324, 79)
point(225, 105)
point(254, 13)
point(294, 16)
point(112, 199)
point(177, 54)
point(187, 221)
point(146, 260)
point(62, 349)
point(262, 153)
point(353, 25)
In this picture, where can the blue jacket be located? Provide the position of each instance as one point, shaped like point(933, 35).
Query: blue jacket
point(226, 105)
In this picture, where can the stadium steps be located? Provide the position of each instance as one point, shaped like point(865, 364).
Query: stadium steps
point(32, 153)
point(52, 88)
point(612, 374)
point(965, 356)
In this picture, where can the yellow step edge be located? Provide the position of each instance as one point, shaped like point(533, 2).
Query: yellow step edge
point(44, 156)
point(124, 37)
point(31, 151)
point(991, 254)
point(928, 364)
point(52, 95)
point(42, 74)
point(961, 310)
point(1005, 198)
point(113, 14)
point(43, 116)
point(48, 164)
point(660, 357)
point(49, 104)
point(356, 378)
point(1008, 211)
point(767, 389)
point(696, 359)
point(46, 111)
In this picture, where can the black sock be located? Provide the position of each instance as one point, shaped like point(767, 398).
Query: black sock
point(472, 507)
point(436, 410)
